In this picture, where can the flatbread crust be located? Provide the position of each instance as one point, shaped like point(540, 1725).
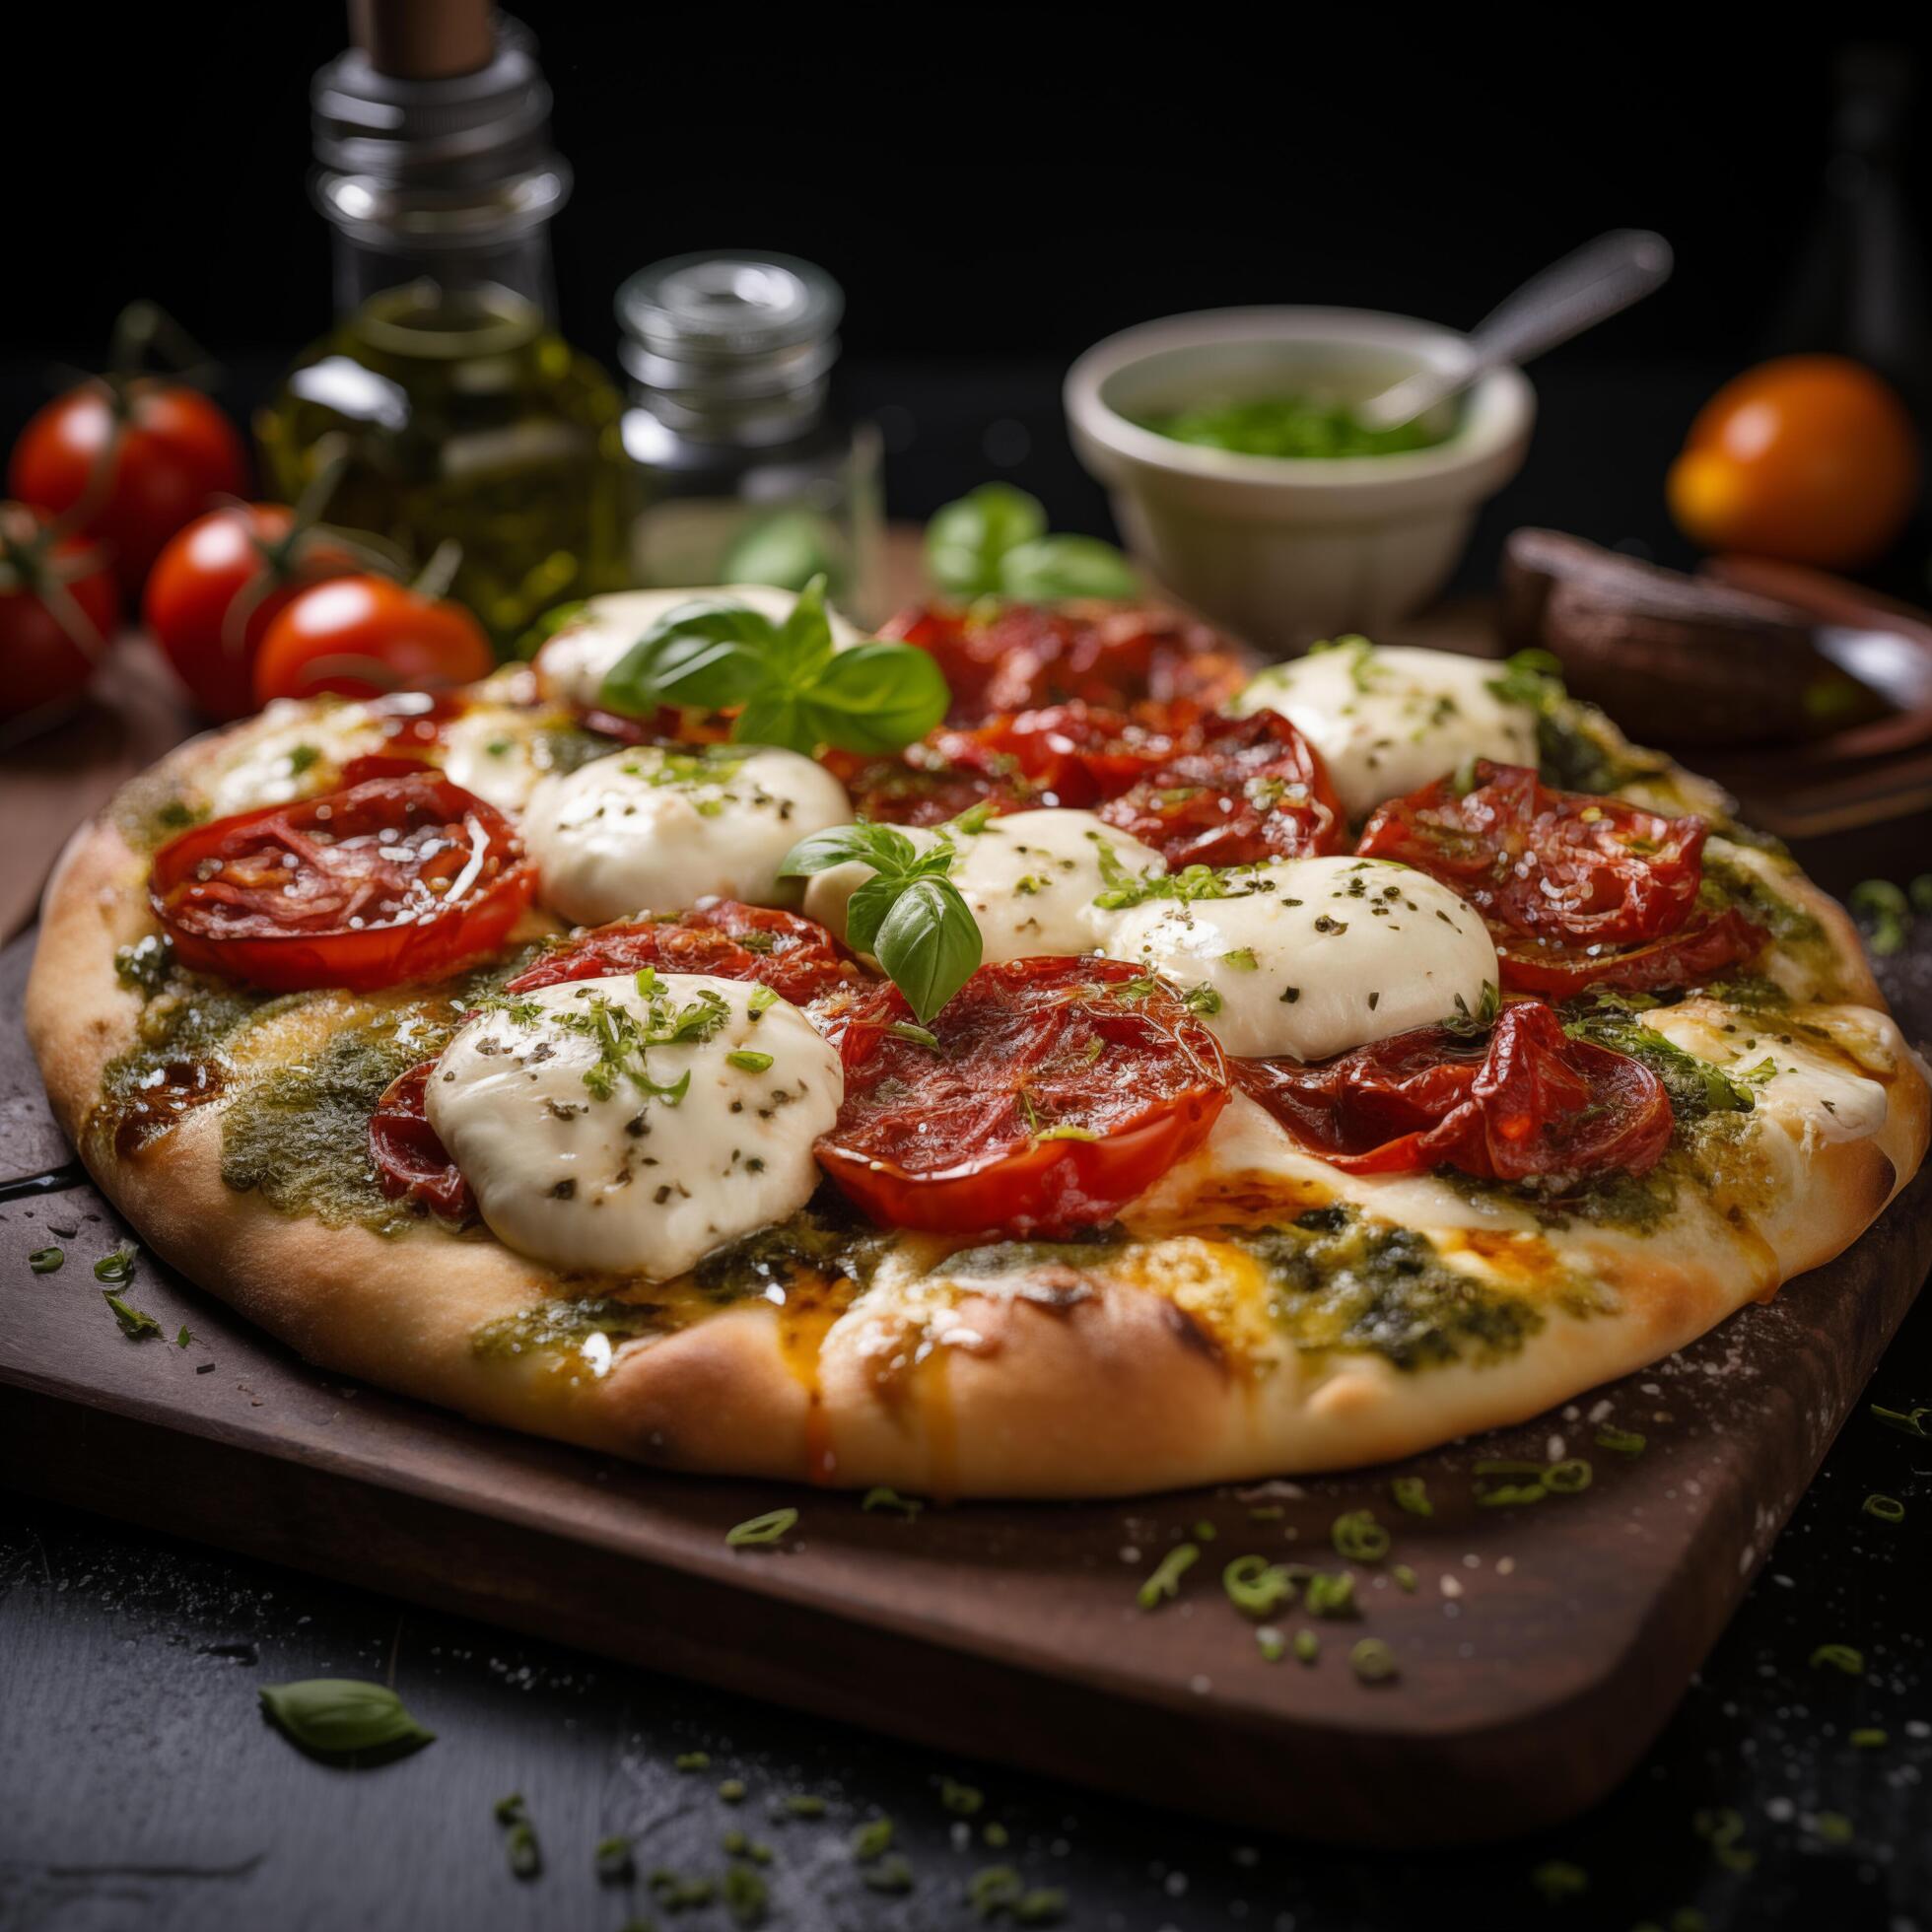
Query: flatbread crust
point(1149, 1365)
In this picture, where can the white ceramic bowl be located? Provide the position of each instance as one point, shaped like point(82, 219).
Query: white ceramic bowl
point(1284, 550)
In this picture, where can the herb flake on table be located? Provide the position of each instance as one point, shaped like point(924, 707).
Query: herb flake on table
point(343, 1720)
point(1164, 1584)
point(135, 1323)
point(519, 1840)
point(762, 1532)
point(44, 1261)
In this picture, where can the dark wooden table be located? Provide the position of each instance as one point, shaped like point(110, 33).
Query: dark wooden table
point(141, 1792)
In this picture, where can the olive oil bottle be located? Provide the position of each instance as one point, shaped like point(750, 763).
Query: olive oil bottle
point(457, 409)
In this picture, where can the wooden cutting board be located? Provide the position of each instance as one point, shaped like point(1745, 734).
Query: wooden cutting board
point(1539, 1652)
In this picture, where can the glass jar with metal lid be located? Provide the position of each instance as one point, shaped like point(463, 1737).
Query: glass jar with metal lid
point(749, 476)
point(460, 412)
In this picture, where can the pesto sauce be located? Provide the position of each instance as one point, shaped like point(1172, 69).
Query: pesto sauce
point(1727, 883)
point(151, 809)
point(1579, 749)
point(997, 1258)
point(299, 1136)
point(567, 1323)
point(1337, 1280)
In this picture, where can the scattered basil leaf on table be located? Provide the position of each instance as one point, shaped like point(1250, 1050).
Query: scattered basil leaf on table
point(911, 916)
point(994, 542)
point(343, 1718)
point(135, 1323)
point(787, 683)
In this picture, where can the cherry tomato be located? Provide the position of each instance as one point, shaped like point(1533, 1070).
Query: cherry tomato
point(363, 636)
point(58, 610)
point(911, 791)
point(142, 457)
point(1010, 657)
point(1236, 792)
point(1811, 459)
point(1056, 1091)
point(396, 878)
point(1528, 1101)
point(796, 958)
point(216, 587)
point(411, 1163)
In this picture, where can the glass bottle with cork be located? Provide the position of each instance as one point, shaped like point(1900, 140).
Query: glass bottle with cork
point(749, 476)
point(465, 416)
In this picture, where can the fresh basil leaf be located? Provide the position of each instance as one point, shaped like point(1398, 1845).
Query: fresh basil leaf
point(884, 847)
point(877, 698)
point(343, 1718)
point(1048, 568)
point(775, 714)
point(867, 910)
point(709, 653)
point(805, 639)
point(965, 540)
point(928, 945)
point(786, 549)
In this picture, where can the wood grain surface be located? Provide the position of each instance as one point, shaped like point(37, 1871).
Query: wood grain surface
point(1009, 1631)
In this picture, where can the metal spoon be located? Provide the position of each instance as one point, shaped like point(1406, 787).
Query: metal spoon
point(1570, 296)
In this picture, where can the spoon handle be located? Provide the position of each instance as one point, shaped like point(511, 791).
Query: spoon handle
point(1564, 299)
point(1572, 295)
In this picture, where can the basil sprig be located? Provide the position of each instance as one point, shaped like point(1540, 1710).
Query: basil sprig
point(344, 1717)
point(909, 915)
point(994, 542)
point(787, 683)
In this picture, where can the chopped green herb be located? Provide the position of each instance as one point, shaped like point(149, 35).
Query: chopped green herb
point(890, 1874)
point(1330, 1593)
point(731, 1791)
point(1833, 1828)
point(520, 1843)
point(748, 1061)
point(1358, 1536)
point(1568, 1479)
point(920, 1036)
point(182, 1340)
point(615, 1864)
point(135, 1323)
point(872, 1839)
point(1256, 1587)
point(1272, 1644)
point(1307, 1646)
point(1840, 1657)
point(1372, 1661)
point(745, 1895)
point(1405, 1577)
point(117, 1268)
point(757, 1532)
point(962, 1800)
point(1907, 1421)
point(802, 1804)
point(1165, 1582)
point(692, 1760)
point(1620, 1442)
point(1887, 1509)
point(43, 1261)
point(881, 1497)
point(1869, 1738)
point(1412, 1493)
point(1557, 1881)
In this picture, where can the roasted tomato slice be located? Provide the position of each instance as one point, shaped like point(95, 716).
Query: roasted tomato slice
point(1564, 880)
point(1049, 1093)
point(1528, 1101)
point(1006, 658)
point(1237, 791)
point(399, 877)
point(796, 958)
point(1706, 948)
point(921, 787)
point(411, 1161)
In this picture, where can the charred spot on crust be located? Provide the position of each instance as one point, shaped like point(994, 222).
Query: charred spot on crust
point(1192, 1335)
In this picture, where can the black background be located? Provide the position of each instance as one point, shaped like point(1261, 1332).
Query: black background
point(995, 189)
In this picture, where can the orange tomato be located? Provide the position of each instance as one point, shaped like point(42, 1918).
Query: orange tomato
point(1811, 459)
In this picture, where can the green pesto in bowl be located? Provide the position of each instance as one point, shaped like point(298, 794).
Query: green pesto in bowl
point(1299, 426)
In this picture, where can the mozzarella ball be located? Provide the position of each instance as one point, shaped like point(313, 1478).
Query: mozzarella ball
point(668, 1149)
point(1389, 721)
point(651, 830)
point(1312, 956)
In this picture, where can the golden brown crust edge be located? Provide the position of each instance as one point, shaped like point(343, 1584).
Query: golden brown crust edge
point(1111, 1390)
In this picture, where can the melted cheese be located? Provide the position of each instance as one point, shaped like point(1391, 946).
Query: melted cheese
point(573, 664)
point(1313, 956)
point(296, 747)
point(1029, 880)
point(1809, 1086)
point(1389, 721)
point(651, 830)
point(638, 1182)
point(500, 752)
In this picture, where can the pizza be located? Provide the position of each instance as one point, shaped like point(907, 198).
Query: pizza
point(1030, 1053)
